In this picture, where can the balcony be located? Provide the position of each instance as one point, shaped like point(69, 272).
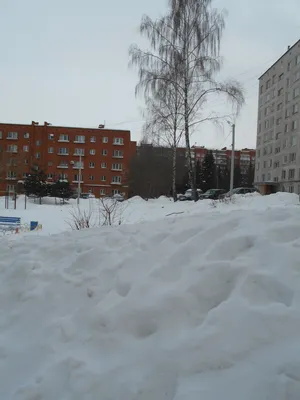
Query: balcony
point(116, 183)
point(62, 166)
point(78, 155)
point(63, 141)
point(77, 167)
point(77, 181)
point(79, 142)
point(62, 154)
point(116, 170)
point(114, 156)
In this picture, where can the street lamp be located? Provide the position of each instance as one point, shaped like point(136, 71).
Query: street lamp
point(232, 155)
point(79, 179)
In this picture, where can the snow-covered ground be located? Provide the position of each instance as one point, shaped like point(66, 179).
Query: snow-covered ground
point(199, 305)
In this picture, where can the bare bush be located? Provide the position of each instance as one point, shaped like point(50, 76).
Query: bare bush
point(109, 212)
point(80, 219)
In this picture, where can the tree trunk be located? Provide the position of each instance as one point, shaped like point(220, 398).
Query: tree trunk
point(174, 174)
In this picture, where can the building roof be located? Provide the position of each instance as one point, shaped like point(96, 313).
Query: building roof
point(284, 54)
point(67, 127)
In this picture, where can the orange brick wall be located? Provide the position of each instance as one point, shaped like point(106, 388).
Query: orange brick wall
point(43, 137)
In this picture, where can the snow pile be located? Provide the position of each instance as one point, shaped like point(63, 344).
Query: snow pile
point(199, 307)
point(55, 218)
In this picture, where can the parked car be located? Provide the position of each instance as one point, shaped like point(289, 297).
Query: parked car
point(188, 195)
point(87, 196)
point(241, 190)
point(118, 197)
point(213, 194)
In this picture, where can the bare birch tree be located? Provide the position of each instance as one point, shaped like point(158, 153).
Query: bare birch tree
point(186, 40)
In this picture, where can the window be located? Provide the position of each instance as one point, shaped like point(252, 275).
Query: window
point(51, 150)
point(276, 164)
point(116, 179)
point(288, 97)
point(116, 167)
point(298, 60)
point(91, 177)
point(119, 141)
point(25, 174)
point(295, 108)
point(277, 150)
point(92, 152)
point(296, 92)
point(268, 97)
point(294, 125)
point(103, 165)
point(294, 141)
point(93, 139)
point(270, 149)
point(12, 148)
point(287, 82)
point(265, 164)
point(268, 84)
point(263, 177)
point(283, 174)
point(12, 135)
point(285, 159)
point(11, 175)
point(118, 154)
point(291, 173)
point(79, 139)
point(278, 121)
point(287, 113)
point(280, 92)
point(258, 166)
point(63, 177)
point(51, 136)
point(289, 66)
point(116, 191)
point(63, 164)
point(50, 176)
point(105, 139)
point(26, 148)
point(78, 165)
point(38, 155)
point(50, 163)
point(102, 192)
point(261, 89)
point(76, 178)
point(286, 128)
point(63, 138)
point(285, 143)
point(26, 135)
point(259, 128)
point(92, 165)
point(103, 178)
point(63, 151)
point(291, 189)
point(265, 151)
point(292, 157)
point(258, 153)
point(280, 77)
point(278, 135)
point(267, 123)
point(269, 176)
point(273, 78)
point(258, 141)
point(38, 142)
point(104, 152)
point(297, 76)
point(279, 106)
point(26, 161)
point(270, 163)
point(79, 152)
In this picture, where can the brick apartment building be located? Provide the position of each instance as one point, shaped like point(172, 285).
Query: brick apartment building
point(243, 158)
point(57, 150)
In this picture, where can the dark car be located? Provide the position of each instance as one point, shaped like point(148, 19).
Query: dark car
point(241, 190)
point(212, 194)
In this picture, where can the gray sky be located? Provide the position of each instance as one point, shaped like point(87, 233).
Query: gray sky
point(66, 61)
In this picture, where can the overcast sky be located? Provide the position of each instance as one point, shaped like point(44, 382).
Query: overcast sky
point(66, 61)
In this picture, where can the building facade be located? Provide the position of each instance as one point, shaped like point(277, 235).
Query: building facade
point(244, 158)
point(98, 157)
point(278, 141)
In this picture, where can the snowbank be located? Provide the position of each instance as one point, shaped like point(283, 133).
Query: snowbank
point(205, 306)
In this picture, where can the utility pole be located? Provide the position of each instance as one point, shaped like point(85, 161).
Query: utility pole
point(79, 181)
point(232, 158)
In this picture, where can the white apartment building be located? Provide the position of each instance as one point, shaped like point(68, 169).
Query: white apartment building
point(278, 128)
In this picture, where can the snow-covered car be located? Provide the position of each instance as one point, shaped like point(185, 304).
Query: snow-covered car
point(188, 195)
point(118, 197)
point(241, 190)
point(212, 194)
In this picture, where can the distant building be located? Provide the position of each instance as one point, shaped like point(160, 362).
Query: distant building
point(244, 158)
point(57, 150)
point(278, 141)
